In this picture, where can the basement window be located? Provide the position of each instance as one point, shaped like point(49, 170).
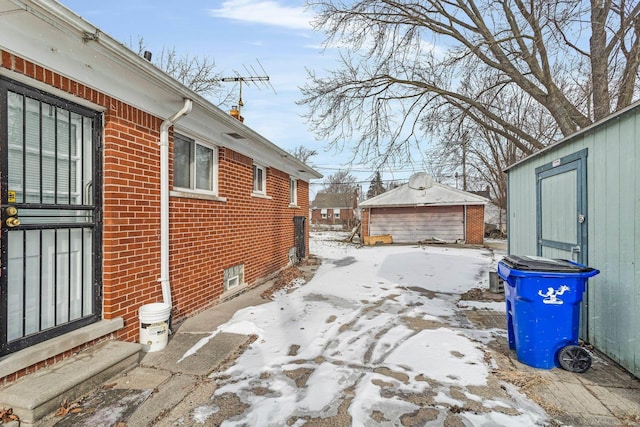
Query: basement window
point(233, 277)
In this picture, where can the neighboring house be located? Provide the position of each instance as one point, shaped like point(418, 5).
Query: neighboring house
point(120, 188)
point(333, 208)
point(578, 199)
point(424, 210)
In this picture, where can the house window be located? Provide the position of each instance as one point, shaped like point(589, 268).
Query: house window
point(233, 277)
point(259, 179)
point(336, 213)
point(323, 213)
point(195, 165)
point(293, 192)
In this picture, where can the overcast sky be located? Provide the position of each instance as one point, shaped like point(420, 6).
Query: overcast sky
point(239, 35)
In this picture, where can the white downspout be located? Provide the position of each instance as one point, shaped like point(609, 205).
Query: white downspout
point(164, 199)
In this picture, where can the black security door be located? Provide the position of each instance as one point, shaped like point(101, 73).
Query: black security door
point(50, 281)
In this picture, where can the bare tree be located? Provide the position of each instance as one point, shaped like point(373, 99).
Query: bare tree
point(406, 66)
point(303, 153)
point(475, 154)
point(198, 73)
point(392, 184)
point(341, 182)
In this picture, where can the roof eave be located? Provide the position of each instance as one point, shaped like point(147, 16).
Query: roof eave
point(61, 19)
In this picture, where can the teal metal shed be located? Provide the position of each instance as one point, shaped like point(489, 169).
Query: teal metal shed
point(580, 199)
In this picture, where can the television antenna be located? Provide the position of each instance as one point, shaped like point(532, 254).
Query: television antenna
point(252, 77)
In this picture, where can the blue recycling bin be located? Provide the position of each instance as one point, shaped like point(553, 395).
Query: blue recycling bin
point(543, 310)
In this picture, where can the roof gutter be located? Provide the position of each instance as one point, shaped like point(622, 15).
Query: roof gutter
point(164, 199)
point(64, 19)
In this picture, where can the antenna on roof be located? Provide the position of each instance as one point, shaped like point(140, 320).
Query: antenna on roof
point(251, 77)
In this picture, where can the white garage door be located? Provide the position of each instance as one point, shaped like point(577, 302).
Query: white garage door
point(410, 225)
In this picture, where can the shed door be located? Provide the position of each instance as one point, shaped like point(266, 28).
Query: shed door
point(414, 224)
point(50, 282)
point(562, 208)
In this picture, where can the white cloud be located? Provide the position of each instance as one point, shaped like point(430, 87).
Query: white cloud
point(264, 12)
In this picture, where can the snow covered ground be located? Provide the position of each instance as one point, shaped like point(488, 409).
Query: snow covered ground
point(376, 338)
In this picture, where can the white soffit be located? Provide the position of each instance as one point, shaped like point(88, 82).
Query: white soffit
point(48, 34)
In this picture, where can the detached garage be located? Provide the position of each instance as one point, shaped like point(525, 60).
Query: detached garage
point(424, 210)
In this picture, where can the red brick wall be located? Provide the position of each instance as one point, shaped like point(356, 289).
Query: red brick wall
point(364, 228)
point(345, 216)
point(303, 202)
point(253, 231)
point(475, 224)
point(206, 236)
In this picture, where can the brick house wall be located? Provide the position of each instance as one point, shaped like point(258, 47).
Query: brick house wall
point(231, 233)
point(206, 236)
point(346, 216)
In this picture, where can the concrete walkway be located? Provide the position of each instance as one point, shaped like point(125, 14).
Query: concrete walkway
point(165, 390)
point(173, 382)
point(605, 395)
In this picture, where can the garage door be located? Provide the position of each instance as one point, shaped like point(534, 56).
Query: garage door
point(410, 225)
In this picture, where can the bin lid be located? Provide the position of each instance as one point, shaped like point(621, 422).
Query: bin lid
point(536, 263)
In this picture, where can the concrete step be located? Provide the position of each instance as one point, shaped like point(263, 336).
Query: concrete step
point(211, 356)
point(41, 393)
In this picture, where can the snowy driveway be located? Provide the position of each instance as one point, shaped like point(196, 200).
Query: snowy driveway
point(376, 338)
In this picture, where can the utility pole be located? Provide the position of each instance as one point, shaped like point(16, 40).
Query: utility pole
point(464, 162)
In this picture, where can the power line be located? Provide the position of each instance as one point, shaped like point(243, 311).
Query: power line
point(355, 182)
point(361, 170)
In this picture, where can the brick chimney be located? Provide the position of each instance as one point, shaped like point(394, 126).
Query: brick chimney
point(235, 113)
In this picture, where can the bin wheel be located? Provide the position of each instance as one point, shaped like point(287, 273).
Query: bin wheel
point(574, 358)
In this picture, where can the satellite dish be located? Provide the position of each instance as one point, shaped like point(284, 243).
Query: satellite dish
point(420, 181)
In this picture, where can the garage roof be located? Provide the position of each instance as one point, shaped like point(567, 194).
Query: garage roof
point(423, 191)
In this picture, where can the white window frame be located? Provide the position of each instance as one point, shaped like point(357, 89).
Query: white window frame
point(323, 213)
point(234, 279)
point(336, 213)
point(259, 191)
point(232, 282)
point(293, 192)
point(193, 165)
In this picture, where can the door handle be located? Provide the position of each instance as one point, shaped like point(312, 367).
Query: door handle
point(12, 220)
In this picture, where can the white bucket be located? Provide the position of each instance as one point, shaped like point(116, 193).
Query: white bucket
point(154, 326)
